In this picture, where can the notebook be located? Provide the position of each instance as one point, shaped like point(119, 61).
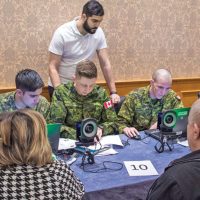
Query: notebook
point(53, 133)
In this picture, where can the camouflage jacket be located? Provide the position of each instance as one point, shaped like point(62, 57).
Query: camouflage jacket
point(140, 111)
point(7, 103)
point(68, 108)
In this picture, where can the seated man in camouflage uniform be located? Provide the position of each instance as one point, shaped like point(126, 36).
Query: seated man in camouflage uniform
point(27, 95)
point(140, 109)
point(80, 99)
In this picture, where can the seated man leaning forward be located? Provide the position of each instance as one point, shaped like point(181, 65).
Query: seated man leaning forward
point(181, 178)
point(27, 94)
point(140, 109)
point(80, 99)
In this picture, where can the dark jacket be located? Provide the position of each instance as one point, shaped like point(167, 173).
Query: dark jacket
point(180, 181)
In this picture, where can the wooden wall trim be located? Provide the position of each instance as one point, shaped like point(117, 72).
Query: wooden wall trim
point(189, 96)
point(187, 88)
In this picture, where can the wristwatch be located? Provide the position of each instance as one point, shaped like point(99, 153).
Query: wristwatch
point(113, 92)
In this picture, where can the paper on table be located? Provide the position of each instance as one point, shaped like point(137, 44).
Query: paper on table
point(111, 139)
point(140, 168)
point(183, 143)
point(66, 144)
point(107, 141)
point(109, 151)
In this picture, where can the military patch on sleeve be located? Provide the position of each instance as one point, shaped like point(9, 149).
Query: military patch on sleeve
point(108, 104)
point(178, 97)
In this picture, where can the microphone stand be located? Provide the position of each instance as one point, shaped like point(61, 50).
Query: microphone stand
point(163, 142)
point(82, 148)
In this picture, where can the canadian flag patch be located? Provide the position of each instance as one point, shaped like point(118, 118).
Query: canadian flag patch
point(108, 104)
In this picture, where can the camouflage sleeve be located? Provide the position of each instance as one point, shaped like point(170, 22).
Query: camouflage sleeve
point(43, 107)
point(110, 126)
point(178, 103)
point(109, 119)
point(68, 132)
point(57, 111)
point(58, 114)
point(1, 103)
point(126, 113)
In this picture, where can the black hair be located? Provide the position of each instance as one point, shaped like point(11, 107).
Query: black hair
point(93, 7)
point(28, 80)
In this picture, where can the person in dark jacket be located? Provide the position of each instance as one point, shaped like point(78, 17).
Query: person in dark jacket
point(181, 178)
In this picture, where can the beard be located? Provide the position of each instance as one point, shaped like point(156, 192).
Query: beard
point(88, 29)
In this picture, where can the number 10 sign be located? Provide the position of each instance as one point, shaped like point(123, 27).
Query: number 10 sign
point(140, 168)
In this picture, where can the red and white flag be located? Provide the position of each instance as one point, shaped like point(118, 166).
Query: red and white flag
point(108, 104)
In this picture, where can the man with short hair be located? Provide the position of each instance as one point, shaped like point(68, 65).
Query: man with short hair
point(140, 109)
point(27, 94)
point(78, 40)
point(181, 178)
point(81, 99)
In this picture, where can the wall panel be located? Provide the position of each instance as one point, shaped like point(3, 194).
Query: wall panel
point(186, 88)
point(142, 35)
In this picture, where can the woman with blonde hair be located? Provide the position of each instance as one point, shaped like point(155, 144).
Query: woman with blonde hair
point(27, 170)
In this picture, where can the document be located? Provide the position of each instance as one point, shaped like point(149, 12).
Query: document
point(109, 151)
point(183, 143)
point(140, 168)
point(111, 139)
point(108, 140)
point(66, 144)
point(102, 148)
point(105, 146)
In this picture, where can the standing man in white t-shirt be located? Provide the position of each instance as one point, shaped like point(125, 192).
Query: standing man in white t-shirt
point(78, 40)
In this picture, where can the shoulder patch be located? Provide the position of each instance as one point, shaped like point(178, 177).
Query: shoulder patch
point(178, 97)
point(108, 104)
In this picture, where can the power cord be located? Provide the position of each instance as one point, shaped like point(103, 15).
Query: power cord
point(115, 166)
point(143, 139)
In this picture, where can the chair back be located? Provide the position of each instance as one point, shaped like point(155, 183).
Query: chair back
point(118, 105)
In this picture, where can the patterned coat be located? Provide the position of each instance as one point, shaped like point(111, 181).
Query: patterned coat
point(68, 107)
point(140, 111)
point(52, 181)
point(7, 103)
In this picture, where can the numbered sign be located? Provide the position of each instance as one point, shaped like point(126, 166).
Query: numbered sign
point(140, 168)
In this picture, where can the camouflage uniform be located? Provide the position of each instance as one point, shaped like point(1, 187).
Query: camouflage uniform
point(140, 111)
point(7, 103)
point(68, 107)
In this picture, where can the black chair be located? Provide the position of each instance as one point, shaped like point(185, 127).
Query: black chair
point(118, 105)
point(198, 95)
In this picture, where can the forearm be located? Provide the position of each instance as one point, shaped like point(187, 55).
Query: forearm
point(107, 72)
point(54, 76)
point(106, 69)
point(54, 64)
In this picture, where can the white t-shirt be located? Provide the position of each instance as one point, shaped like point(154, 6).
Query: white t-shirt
point(74, 47)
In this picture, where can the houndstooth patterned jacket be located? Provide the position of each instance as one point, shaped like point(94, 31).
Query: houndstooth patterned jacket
point(52, 181)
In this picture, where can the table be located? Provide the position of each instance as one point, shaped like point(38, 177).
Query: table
point(118, 184)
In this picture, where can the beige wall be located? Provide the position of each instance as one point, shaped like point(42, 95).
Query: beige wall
point(142, 35)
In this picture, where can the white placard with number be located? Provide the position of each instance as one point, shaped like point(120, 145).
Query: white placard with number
point(140, 168)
